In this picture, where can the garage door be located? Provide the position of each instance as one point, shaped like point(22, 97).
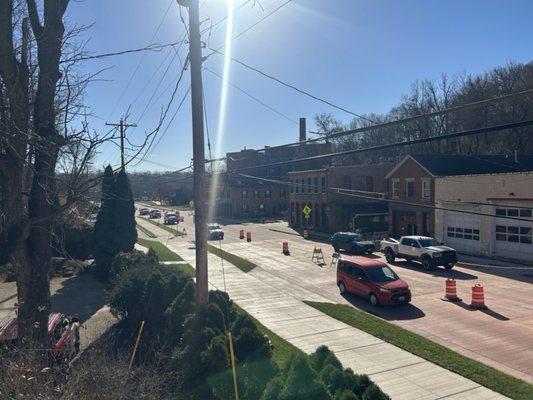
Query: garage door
point(513, 238)
point(462, 232)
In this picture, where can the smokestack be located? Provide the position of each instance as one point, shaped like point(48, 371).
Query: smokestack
point(303, 130)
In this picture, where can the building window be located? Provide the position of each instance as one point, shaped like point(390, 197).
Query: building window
point(302, 185)
point(261, 207)
point(463, 233)
point(245, 208)
point(514, 212)
point(316, 185)
point(347, 182)
point(409, 187)
point(309, 186)
point(323, 184)
point(369, 183)
point(296, 186)
point(244, 194)
point(291, 187)
point(282, 193)
point(257, 194)
point(515, 234)
point(268, 194)
point(395, 187)
point(425, 188)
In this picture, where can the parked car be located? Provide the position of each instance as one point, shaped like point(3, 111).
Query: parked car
point(144, 211)
point(170, 219)
point(371, 279)
point(425, 249)
point(63, 331)
point(155, 214)
point(214, 232)
point(353, 243)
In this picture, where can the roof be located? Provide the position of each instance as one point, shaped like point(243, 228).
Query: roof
point(363, 262)
point(445, 165)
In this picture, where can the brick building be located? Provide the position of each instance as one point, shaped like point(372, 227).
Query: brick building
point(332, 211)
point(413, 181)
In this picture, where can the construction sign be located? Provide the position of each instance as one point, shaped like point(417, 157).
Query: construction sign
point(307, 210)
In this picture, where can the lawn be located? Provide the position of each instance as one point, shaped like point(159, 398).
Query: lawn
point(163, 253)
point(429, 350)
point(283, 350)
point(145, 231)
point(163, 226)
point(241, 263)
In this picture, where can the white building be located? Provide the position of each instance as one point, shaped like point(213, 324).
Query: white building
point(503, 196)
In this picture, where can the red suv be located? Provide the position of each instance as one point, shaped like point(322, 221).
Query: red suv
point(372, 279)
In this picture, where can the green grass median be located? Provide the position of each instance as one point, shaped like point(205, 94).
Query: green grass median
point(241, 263)
point(145, 231)
point(167, 228)
point(429, 350)
point(163, 253)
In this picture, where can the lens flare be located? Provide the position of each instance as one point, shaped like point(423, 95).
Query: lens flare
point(222, 109)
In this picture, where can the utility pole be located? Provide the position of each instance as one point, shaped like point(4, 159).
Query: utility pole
point(200, 207)
point(122, 127)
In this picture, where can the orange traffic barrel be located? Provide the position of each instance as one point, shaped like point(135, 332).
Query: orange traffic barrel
point(478, 296)
point(450, 293)
point(285, 248)
point(306, 234)
point(248, 236)
point(241, 234)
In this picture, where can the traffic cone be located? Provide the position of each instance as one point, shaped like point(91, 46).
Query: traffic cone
point(248, 236)
point(450, 293)
point(306, 234)
point(241, 234)
point(478, 296)
point(285, 249)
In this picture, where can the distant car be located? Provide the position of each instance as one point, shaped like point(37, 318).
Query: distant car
point(353, 243)
point(214, 232)
point(425, 249)
point(63, 331)
point(170, 219)
point(371, 279)
point(155, 214)
point(144, 211)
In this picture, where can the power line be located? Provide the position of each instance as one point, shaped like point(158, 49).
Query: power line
point(304, 92)
point(253, 97)
point(396, 144)
point(338, 191)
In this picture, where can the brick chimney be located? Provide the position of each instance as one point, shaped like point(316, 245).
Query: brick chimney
point(303, 130)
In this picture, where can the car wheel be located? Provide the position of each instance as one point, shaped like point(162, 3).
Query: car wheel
point(373, 299)
point(369, 252)
point(336, 248)
point(426, 264)
point(449, 266)
point(389, 256)
point(342, 288)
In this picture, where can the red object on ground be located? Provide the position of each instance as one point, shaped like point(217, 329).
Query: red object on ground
point(478, 296)
point(62, 330)
point(248, 236)
point(450, 293)
point(285, 248)
point(371, 279)
point(241, 234)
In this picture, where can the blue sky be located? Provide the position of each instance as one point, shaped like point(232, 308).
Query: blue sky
point(361, 55)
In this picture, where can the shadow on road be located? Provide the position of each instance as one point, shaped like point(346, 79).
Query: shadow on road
point(389, 313)
point(82, 296)
point(486, 311)
point(438, 271)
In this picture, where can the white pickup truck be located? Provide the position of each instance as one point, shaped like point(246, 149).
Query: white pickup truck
point(421, 248)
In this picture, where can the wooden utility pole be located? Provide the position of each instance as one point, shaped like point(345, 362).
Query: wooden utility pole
point(122, 127)
point(200, 208)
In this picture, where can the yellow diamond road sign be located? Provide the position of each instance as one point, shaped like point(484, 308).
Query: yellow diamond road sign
point(306, 210)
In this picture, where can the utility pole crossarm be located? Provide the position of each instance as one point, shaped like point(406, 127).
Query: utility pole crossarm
point(122, 127)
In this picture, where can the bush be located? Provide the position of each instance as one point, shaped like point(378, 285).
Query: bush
point(125, 261)
point(72, 237)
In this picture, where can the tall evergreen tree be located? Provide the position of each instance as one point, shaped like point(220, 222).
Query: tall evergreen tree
point(124, 215)
point(105, 247)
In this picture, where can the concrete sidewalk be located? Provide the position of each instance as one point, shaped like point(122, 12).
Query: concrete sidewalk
point(278, 305)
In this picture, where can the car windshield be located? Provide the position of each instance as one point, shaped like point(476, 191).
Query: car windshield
point(428, 242)
point(356, 238)
point(382, 274)
point(213, 227)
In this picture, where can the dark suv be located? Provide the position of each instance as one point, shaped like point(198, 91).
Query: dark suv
point(353, 243)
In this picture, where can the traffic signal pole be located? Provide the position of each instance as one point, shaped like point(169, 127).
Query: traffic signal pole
point(200, 206)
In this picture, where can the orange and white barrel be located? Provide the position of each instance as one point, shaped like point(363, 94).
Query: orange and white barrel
point(285, 248)
point(248, 236)
point(450, 293)
point(478, 296)
point(241, 234)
